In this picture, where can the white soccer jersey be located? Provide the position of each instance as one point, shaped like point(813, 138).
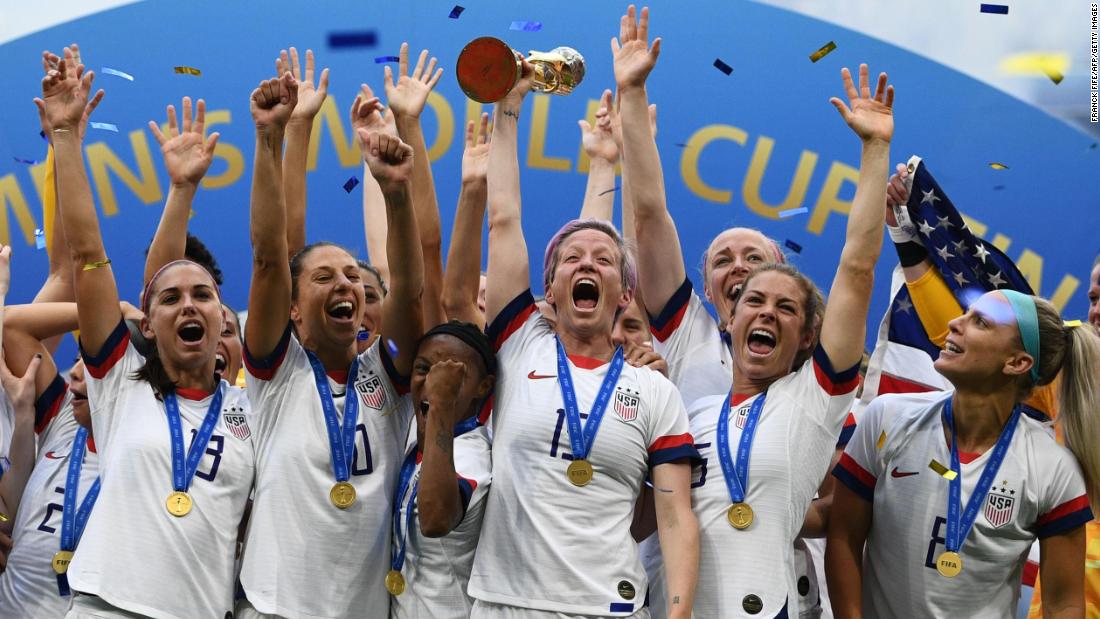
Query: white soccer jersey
point(697, 351)
point(547, 544)
point(437, 570)
point(134, 554)
point(754, 569)
point(29, 587)
point(7, 426)
point(1038, 492)
point(303, 556)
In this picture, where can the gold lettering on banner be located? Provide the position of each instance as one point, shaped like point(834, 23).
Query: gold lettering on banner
point(232, 155)
point(11, 197)
point(693, 150)
point(750, 190)
point(144, 184)
point(828, 201)
point(536, 145)
point(343, 141)
point(445, 121)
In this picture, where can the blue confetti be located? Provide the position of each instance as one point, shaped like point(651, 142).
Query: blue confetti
point(42, 134)
point(364, 38)
point(791, 212)
point(27, 161)
point(385, 59)
point(723, 67)
point(363, 335)
point(791, 245)
point(117, 73)
point(392, 347)
point(998, 187)
point(612, 190)
point(455, 12)
point(996, 9)
point(650, 484)
point(39, 238)
point(104, 126)
point(526, 26)
point(351, 184)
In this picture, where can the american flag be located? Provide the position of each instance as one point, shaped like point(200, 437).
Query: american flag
point(903, 355)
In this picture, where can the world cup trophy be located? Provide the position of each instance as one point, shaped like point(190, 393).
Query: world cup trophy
point(488, 69)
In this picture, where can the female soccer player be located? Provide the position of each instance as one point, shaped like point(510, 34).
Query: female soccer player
point(445, 477)
point(770, 439)
point(175, 477)
point(949, 492)
point(556, 538)
point(327, 464)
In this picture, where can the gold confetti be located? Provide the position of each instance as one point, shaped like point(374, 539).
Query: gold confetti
point(1051, 64)
point(1071, 324)
point(91, 266)
point(4, 518)
point(188, 71)
point(824, 51)
point(881, 440)
point(940, 469)
point(997, 166)
point(1055, 76)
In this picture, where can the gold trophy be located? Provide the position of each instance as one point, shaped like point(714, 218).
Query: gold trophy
point(488, 69)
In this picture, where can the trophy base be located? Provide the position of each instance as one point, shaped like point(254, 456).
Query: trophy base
point(487, 69)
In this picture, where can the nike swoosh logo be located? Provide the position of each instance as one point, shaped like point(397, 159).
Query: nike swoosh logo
point(52, 456)
point(534, 376)
point(897, 473)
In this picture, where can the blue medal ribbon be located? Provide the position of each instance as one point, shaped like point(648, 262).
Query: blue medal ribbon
point(183, 471)
point(341, 441)
point(407, 469)
point(73, 519)
point(958, 528)
point(580, 440)
point(737, 476)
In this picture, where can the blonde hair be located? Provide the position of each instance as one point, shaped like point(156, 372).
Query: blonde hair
point(1075, 352)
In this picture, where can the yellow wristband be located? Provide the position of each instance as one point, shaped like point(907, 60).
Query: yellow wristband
point(91, 266)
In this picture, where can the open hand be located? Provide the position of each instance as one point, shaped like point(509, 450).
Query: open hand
point(408, 96)
point(872, 118)
point(187, 155)
point(390, 160)
point(475, 157)
point(310, 99)
point(50, 62)
point(273, 102)
point(634, 56)
point(368, 113)
point(599, 141)
point(64, 102)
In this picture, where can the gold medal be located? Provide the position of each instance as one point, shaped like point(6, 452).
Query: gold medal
point(179, 504)
point(395, 582)
point(949, 565)
point(740, 515)
point(342, 494)
point(61, 561)
point(579, 472)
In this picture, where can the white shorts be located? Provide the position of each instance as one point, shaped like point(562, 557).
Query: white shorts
point(245, 610)
point(94, 607)
point(488, 610)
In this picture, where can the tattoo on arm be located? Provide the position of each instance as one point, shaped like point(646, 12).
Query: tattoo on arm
point(443, 442)
point(512, 114)
point(676, 599)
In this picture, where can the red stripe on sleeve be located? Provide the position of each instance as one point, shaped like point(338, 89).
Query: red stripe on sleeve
point(834, 389)
point(99, 370)
point(514, 325)
point(669, 327)
point(857, 471)
point(1064, 509)
point(671, 441)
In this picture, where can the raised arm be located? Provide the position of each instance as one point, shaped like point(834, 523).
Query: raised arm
point(391, 163)
point(21, 393)
point(269, 296)
point(660, 259)
point(367, 112)
point(462, 278)
point(65, 102)
point(439, 501)
point(298, 131)
point(187, 156)
point(509, 266)
point(407, 98)
point(871, 118)
point(603, 155)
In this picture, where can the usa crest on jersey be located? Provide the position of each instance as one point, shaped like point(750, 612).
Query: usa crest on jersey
point(741, 416)
point(237, 423)
point(626, 404)
point(372, 391)
point(999, 505)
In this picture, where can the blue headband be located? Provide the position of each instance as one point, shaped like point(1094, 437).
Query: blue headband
point(1027, 320)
